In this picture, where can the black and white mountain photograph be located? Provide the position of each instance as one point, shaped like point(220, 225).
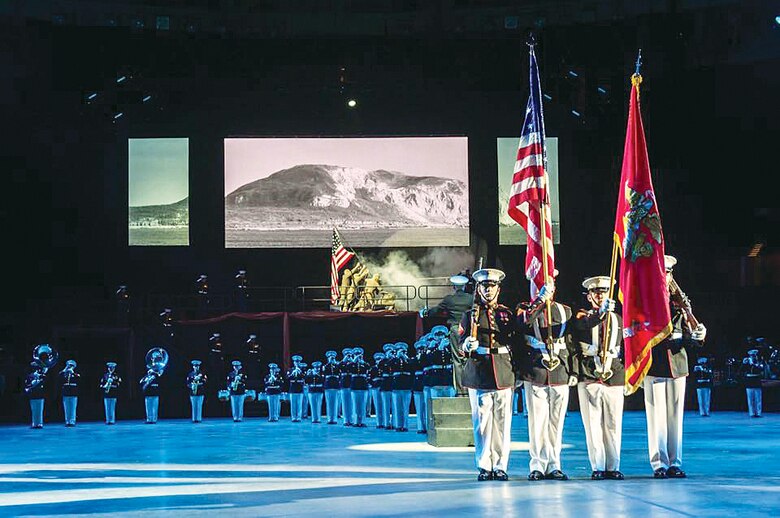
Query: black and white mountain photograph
point(378, 192)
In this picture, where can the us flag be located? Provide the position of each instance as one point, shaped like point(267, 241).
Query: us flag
point(339, 258)
point(529, 194)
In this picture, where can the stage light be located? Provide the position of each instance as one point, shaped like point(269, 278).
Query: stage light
point(202, 284)
point(118, 116)
point(547, 97)
point(572, 73)
point(252, 345)
point(215, 343)
point(122, 294)
point(121, 79)
point(352, 103)
point(166, 317)
point(92, 96)
point(147, 98)
point(755, 249)
point(576, 113)
point(601, 90)
point(777, 20)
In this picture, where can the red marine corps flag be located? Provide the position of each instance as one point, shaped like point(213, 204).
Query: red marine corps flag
point(339, 258)
point(639, 238)
point(529, 199)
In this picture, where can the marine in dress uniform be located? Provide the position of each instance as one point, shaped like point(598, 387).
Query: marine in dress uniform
point(453, 306)
point(374, 382)
point(440, 359)
point(600, 387)
point(236, 384)
point(331, 371)
point(704, 382)
point(316, 383)
point(109, 385)
point(418, 363)
point(69, 381)
point(296, 378)
point(196, 382)
point(273, 383)
point(35, 389)
point(150, 387)
point(359, 387)
point(751, 372)
point(664, 388)
point(402, 387)
point(547, 389)
point(386, 388)
point(345, 381)
point(305, 411)
point(488, 373)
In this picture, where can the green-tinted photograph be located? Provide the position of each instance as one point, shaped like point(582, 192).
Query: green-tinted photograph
point(509, 232)
point(158, 192)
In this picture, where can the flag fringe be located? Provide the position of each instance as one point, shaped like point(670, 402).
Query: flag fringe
point(630, 388)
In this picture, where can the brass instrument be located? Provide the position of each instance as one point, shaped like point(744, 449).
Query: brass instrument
point(236, 381)
point(681, 300)
point(109, 381)
point(156, 361)
point(45, 357)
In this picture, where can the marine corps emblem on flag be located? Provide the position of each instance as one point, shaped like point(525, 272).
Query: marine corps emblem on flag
point(640, 214)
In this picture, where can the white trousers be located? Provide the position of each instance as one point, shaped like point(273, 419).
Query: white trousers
point(109, 404)
point(315, 406)
point(546, 413)
point(296, 406)
point(491, 415)
point(704, 395)
point(664, 405)
point(237, 406)
point(753, 401)
point(401, 401)
point(197, 408)
point(152, 404)
point(359, 398)
point(69, 404)
point(274, 406)
point(601, 407)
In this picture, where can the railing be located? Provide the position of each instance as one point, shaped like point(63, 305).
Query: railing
point(318, 297)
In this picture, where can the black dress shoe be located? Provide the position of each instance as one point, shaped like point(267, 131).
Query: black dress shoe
point(422, 431)
point(500, 474)
point(614, 475)
point(484, 475)
point(536, 475)
point(660, 473)
point(597, 475)
point(556, 474)
point(675, 472)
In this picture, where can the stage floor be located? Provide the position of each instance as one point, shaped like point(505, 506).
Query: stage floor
point(256, 468)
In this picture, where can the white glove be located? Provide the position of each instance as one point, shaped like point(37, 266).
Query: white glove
point(424, 312)
point(700, 333)
point(470, 345)
point(607, 306)
point(547, 292)
point(573, 381)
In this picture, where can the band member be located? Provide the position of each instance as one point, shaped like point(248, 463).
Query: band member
point(296, 378)
point(273, 392)
point(548, 372)
point(196, 381)
point(488, 333)
point(345, 377)
point(315, 381)
point(402, 387)
point(453, 306)
point(69, 380)
point(109, 384)
point(305, 406)
point(374, 383)
point(386, 387)
point(236, 384)
point(150, 387)
point(440, 358)
point(35, 389)
point(703, 373)
point(331, 371)
point(359, 386)
point(664, 388)
point(597, 362)
point(752, 372)
point(418, 363)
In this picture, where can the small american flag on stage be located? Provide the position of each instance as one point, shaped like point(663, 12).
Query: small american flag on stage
point(339, 258)
point(529, 194)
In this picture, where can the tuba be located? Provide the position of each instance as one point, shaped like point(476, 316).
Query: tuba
point(156, 361)
point(45, 357)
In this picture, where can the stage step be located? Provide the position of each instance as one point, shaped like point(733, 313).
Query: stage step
point(449, 422)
